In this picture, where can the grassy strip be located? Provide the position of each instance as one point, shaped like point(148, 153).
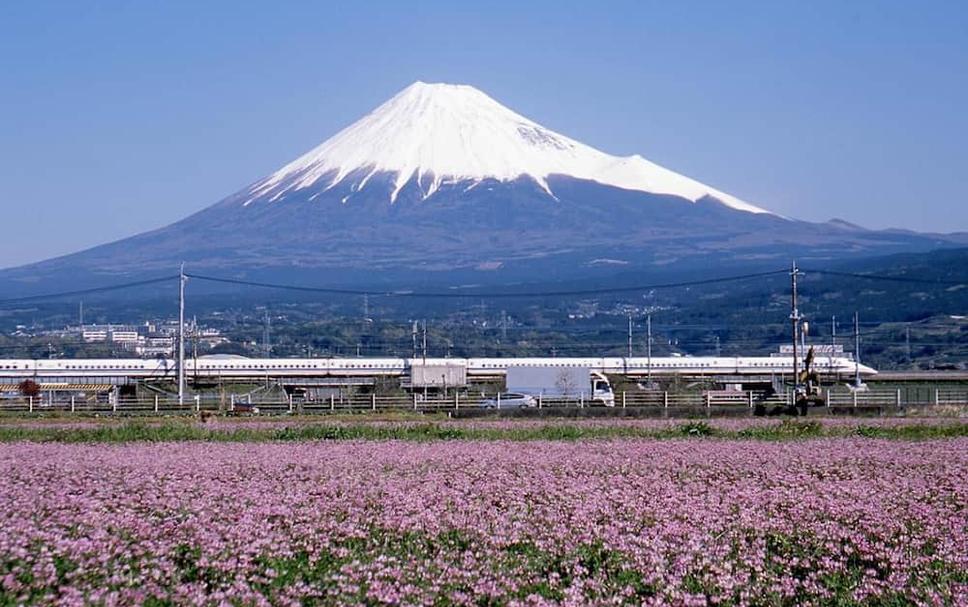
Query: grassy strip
point(91, 418)
point(134, 431)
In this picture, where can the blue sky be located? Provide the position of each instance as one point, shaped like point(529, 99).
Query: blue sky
point(119, 117)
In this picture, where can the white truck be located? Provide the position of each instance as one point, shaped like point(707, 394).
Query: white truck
point(577, 383)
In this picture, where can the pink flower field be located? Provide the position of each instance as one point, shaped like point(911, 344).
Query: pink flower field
point(683, 522)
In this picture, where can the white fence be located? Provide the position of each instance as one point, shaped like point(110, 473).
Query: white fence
point(276, 404)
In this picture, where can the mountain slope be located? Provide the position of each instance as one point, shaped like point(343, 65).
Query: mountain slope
point(441, 182)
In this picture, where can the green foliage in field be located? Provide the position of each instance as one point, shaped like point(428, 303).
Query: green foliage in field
point(181, 430)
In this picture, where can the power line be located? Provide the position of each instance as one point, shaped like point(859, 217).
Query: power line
point(442, 295)
point(485, 295)
point(884, 277)
point(118, 287)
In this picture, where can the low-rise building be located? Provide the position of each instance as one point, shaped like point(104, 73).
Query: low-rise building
point(94, 335)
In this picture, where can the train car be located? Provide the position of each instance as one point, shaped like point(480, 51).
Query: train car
point(128, 370)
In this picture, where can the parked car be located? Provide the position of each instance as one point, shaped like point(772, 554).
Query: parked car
point(511, 400)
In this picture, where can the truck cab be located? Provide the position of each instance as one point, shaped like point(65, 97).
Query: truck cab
point(561, 383)
point(602, 389)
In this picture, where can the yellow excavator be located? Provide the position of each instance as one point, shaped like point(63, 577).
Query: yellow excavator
point(807, 392)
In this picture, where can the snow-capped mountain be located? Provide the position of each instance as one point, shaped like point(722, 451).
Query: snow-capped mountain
point(439, 134)
point(443, 183)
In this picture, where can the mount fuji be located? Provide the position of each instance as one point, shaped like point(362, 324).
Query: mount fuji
point(437, 135)
point(442, 181)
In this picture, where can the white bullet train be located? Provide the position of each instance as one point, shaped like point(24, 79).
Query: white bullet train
point(122, 370)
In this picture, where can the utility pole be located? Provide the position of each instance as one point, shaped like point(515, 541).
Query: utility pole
point(629, 355)
point(425, 342)
point(182, 279)
point(194, 336)
point(833, 344)
point(795, 322)
point(413, 338)
point(266, 346)
point(856, 350)
point(80, 313)
point(648, 347)
point(907, 342)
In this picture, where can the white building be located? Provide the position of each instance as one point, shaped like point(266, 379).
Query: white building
point(94, 335)
point(125, 337)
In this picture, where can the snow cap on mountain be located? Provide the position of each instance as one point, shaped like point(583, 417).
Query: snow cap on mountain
point(445, 133)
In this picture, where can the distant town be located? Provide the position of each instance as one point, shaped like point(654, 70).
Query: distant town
point(150, 339)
